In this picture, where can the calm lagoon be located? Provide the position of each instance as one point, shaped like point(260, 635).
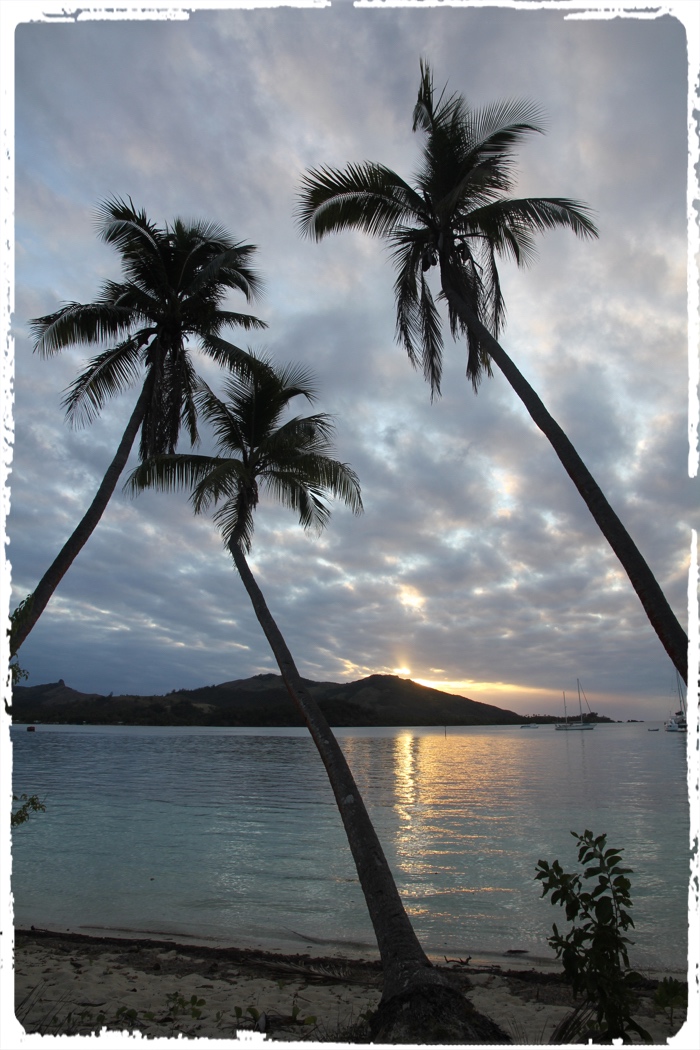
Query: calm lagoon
point(232, 835)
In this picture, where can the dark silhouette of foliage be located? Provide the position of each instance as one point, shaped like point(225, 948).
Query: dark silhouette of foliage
point(594, 951)
point(293, 460)
point(30, 804)
point(456, 216)
point(170, 300)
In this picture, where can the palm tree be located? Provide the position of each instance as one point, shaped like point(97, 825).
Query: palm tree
point(293, 461)
point(456, 217)
point(175, 279)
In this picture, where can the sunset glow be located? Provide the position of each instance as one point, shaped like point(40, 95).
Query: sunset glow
point(509, 695)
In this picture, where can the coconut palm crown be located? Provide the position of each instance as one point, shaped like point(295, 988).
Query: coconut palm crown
point(456, 216)
point(258, 450)
point(175, 279)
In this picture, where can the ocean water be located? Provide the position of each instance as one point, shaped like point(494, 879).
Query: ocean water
point(232, 835)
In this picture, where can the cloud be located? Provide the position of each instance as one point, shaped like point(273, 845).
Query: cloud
point(475, 554)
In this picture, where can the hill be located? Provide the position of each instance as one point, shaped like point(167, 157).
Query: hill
point(379, 700)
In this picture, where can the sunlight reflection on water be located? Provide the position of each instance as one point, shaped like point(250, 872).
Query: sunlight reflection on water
point(234, 835)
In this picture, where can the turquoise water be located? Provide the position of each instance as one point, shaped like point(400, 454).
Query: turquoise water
point(232, 835)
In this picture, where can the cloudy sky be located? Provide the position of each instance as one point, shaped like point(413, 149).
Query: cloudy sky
point(476, 566)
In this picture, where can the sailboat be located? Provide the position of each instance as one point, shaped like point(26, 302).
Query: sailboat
point(575, 725)
point(678, 723)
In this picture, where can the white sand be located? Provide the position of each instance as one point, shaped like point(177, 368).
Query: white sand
point(64, 977)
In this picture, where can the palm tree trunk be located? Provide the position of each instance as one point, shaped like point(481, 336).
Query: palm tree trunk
point(661, 616)
point(387, 913)
point(34, 605)
point(409, 976)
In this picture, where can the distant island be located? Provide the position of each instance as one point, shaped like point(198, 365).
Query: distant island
point(378, 700)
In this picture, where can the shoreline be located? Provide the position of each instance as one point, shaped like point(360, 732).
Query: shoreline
point(293, 944)
point(71, 983)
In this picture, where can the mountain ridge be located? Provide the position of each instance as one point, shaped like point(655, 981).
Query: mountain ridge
point(262, 700)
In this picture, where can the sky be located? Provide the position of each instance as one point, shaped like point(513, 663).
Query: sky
point(476, 566)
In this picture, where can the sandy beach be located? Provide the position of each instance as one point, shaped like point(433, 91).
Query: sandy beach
point(73, 984)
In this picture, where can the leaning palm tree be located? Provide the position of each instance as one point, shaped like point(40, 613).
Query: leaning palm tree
point(457, 217)
point(293, 461)
point(175, 280)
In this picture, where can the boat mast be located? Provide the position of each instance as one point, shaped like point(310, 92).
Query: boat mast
point(680, 693)
point(580, 709)
point(566, 717)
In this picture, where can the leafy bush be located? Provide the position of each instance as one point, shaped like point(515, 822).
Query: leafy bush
point(594, 951)
point(670, 994)
point(30, 804)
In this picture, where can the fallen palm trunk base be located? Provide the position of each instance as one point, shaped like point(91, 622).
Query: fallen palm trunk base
point(433, 1014)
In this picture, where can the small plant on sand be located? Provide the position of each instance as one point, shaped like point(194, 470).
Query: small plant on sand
point(262, 1021)
point(298, 1019)
point(670, 994)
point(125, 1014)
point(177, 1008)
point(72, 1021)
point(594, 951)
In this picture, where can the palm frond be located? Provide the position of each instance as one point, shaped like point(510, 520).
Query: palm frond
point(222, 416)
point(490, 308)
point(491, 231)
point(431, 338)
point(536, 214)
point(120, 224)
point(221, 318)
point(411, 251)
point(368, 197)
point(226, 478)
point(423, 109)
point(229, 356)
point(202, 231)
point(306, 489)
point(342, 482)
point(139, 241)
point(296, 380)
point(79, 324)
point(497, 128)
point(292, 459)
point(466, 277)
point(143, 304)
point(229, 269)
point(189, 415)
point(234, 518)
point(288, 445)
point(106, 375)
point(169, 473)
point(496, 304)
point(300, 496)
point(151, 303)
point(178, 382)
point(418, 323)
point(432, 116)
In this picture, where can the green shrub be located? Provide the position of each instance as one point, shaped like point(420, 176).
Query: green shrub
point(30, 804)
point(670, 994)
point(594, 951)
